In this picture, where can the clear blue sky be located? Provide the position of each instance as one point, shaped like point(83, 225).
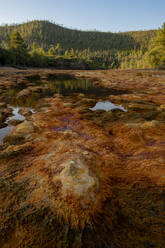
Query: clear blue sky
point(104, 15)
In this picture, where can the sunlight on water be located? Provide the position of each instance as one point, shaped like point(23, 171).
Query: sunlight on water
point(107, 106)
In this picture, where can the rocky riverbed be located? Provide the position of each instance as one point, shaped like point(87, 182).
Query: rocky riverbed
point(72, 175)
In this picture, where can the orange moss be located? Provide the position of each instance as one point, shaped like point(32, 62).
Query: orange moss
point(82, 179)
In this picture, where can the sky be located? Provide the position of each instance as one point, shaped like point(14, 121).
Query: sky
point(103, 15)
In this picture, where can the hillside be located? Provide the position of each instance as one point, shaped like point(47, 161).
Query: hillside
point(45, 33)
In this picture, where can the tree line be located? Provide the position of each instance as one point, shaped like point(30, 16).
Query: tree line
point(45, 33)
point(36, 46)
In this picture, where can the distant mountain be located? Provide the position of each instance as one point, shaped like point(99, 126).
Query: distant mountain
point(45, 33)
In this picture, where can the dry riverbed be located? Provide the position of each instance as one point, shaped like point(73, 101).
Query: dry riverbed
point(85, 168)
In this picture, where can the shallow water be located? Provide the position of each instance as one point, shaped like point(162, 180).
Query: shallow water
point(107, 106)
point(79, 86)
point(4, 131)
point(16, 116)
point(65, 87)
point(62, 86)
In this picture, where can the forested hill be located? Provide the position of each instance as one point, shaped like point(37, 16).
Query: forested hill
point(45, 33)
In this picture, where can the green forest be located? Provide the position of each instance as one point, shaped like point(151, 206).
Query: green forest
point(46, 44)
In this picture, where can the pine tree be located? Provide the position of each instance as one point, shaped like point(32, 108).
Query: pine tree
point(157, 53)
point(52, 50)
point(18, 49)
point(58, 49)
point(67, 54)
point(3, 55)
point(16, 41)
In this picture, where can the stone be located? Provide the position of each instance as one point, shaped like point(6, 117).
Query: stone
point(14, 122)
point(75, 178)
point(25, 111)
point(26, 127)
point(23, 93)
point(3, 105)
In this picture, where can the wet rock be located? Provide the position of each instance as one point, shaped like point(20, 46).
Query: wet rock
point(22, 82)
point(35, 89)
point(8, 84)
point(149, 115)
point(87, 101)
point(75, 178)
point(14, 122)
point(25, 128)
point(6, 111)
point(25, 111)
point(81, 95)
point(162, 107)
point(12, 139)
point(14, 150)
point(141, 107)
point(24, 93)
point(2, 98)
point(57, 95)
point(3, 105)
point(2, 120)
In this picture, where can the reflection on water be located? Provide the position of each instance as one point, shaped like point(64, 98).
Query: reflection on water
point(107, 105)
point(65, 87)
point(25, 101)
point(68, 87)
point(49, 88)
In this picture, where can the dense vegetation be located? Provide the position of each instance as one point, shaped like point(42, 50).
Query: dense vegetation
point(157, 52)
point(41, 43)
point(44, 34)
